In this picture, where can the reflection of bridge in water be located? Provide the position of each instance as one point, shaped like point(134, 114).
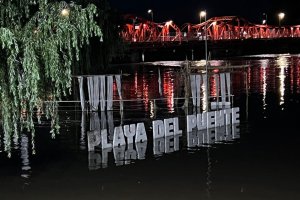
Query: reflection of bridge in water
point(216, 28)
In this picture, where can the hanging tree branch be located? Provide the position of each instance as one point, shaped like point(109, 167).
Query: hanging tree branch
point(39, 41)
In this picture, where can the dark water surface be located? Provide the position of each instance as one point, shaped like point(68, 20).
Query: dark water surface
point(255, 159)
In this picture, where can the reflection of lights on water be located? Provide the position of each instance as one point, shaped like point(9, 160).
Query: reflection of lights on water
point(266, 55)
point(292, 79)
point(136, 81)
point(199, 63)
point(145, 88)
point(295, 76)
point(152, 107)
point(264, 65)
point(205, 93)
point(298, 78)
point(159, 83)
point(213, 88)
point(282, 63)
point(168, 90)
point(196, 63)
point(248, 77)
point(167, 63)
point(264, 87)
point(146, 93)
point(281, 85)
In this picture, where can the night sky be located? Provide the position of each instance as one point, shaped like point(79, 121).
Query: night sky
point(188, 10)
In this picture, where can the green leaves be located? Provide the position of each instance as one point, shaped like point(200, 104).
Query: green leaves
point(40, 41)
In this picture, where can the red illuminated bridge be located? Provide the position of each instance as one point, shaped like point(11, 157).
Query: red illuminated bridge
point(217, 28)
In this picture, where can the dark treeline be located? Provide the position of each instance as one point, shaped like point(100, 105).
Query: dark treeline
point(96, 57)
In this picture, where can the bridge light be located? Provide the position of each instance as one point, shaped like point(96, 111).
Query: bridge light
point(168, 23)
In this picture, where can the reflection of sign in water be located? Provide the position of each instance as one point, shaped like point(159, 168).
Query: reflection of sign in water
point(122, 155)
point(129, 142)
point(167, 144)
point(26, 169)
point(199, 138)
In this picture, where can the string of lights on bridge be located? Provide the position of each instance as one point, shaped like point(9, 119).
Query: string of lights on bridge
point(216, 28)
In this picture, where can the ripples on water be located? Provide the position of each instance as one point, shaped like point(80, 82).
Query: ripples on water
point(258, 159)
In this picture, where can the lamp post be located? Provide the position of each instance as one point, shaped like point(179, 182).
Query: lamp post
point(203, 14)
point(280, 17)
point(150, 12)
point(265, 19)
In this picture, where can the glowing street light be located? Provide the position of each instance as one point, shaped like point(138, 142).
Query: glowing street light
point(65, 12)
point(202, 14)
point(280, 17)
point(265, 19)
point(150, 12)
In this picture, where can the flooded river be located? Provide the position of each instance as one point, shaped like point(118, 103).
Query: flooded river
point(255, 158)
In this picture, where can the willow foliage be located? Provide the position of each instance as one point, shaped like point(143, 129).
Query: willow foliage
point(40, 40)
